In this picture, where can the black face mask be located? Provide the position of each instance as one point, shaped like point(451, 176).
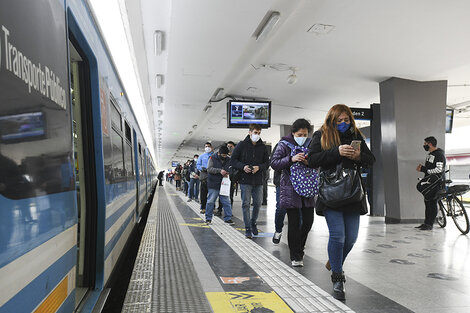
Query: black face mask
point(222, 158)
point(426, 147)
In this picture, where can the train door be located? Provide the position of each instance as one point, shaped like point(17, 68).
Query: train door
point(85, 178)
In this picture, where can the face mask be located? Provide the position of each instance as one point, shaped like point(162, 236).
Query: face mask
point(300, 140)
point(221, 157)
point(207, 149)
point(230, 149)
point(426, 147)
point(342, 127)
point(195, 159)
point(255, 137)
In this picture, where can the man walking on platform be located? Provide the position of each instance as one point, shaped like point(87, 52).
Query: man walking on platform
point(202, 167)
point(218, 168)
point(252, 158)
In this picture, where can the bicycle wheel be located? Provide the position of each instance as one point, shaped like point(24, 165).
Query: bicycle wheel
point(459, 215)
point(441, 214)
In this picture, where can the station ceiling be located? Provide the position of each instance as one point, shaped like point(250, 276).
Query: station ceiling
point(353, 46)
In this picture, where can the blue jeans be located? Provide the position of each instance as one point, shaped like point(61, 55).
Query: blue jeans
point(193, 189)
point(343, 227)
point(212, 195)
point(248, 192)
point(280, 214)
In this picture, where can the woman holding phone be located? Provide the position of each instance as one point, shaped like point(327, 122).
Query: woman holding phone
point(339, 141)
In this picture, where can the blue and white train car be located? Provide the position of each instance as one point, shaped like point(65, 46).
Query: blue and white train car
point(75, 171)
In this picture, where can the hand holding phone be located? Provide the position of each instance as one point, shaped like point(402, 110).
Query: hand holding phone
point(356, 144)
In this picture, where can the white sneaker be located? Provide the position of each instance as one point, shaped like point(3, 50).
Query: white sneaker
point(277, 238)
point(297, 263)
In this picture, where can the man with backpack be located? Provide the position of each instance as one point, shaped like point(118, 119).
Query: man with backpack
point(251, 158)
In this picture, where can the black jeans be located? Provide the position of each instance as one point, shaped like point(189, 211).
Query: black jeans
point(203, 194)
point(431, 211)
point(297, 231)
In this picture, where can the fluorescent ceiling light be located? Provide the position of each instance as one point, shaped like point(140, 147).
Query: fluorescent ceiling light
point(159, 80)
point(159, 101)
point(158, 42)
point(218, 94)
point(207, 108)
point(268, 25)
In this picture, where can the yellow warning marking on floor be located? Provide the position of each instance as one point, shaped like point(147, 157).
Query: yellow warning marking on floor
point(197, 218)
point(240, 229)
point(173, 194)
point(246, 302)
point(203, 225)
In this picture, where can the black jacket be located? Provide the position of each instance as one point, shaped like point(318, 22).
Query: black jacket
point(328, 159)
point(435, 163)
point(246, 153)
point(215, 164)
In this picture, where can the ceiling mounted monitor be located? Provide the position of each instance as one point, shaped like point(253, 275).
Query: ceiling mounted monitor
point(241, 113)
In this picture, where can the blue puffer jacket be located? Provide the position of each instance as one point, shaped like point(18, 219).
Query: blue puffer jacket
point(281, 160)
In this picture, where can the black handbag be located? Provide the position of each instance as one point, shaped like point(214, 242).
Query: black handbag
point(430, 185)
point(340, 186)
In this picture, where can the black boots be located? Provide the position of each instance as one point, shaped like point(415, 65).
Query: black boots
point(338, 280)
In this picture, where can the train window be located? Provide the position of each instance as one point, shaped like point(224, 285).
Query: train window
point(115, 115)
point(129, 166)
point(118, 158)
point(128, 132)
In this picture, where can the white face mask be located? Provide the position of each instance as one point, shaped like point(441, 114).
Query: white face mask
point(300, 140)
point(254, 137)
point(195, 159)
point(207, 149)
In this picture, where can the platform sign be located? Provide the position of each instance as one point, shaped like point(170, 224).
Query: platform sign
point(247, 302)
point(362, 114)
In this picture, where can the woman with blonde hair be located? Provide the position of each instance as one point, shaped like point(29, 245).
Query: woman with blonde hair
point(331, 150)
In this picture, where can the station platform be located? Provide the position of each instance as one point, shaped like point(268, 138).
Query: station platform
point(184, 265)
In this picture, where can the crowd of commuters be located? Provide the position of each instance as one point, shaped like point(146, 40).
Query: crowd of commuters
point(301, 162)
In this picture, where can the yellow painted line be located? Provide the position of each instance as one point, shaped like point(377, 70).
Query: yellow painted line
point(246, 302)
point(55, 298)
point(197, 219)
point(203, 225)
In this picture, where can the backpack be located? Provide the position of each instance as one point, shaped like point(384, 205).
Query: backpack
point(305, 180)
point(430, 185)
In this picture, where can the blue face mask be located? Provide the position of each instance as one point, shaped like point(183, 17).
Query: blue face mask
point(342, 127)
point(300, 140)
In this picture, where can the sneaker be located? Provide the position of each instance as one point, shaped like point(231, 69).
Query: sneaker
point(254, 229)
point(202, 211)
point(208, 222)
point(218, 213)
point(297, 263)
point(189, 200)
point(420, 226)
point(196, 200)
point(248, 233)
point(277, 238)
point(425, 227)
point(230, 222)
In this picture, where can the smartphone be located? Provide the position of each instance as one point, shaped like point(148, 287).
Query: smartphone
point(356, 144)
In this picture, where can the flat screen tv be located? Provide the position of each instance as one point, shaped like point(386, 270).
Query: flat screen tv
point(22, 127)
point(175, 163)
point(449, 120)
point(241, 113)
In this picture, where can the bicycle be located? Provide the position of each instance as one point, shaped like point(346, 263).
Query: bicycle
point(453, 206)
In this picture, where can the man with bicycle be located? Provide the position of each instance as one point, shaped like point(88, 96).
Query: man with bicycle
point(435, 164)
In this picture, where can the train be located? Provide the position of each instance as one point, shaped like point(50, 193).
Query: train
point(75, 169)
